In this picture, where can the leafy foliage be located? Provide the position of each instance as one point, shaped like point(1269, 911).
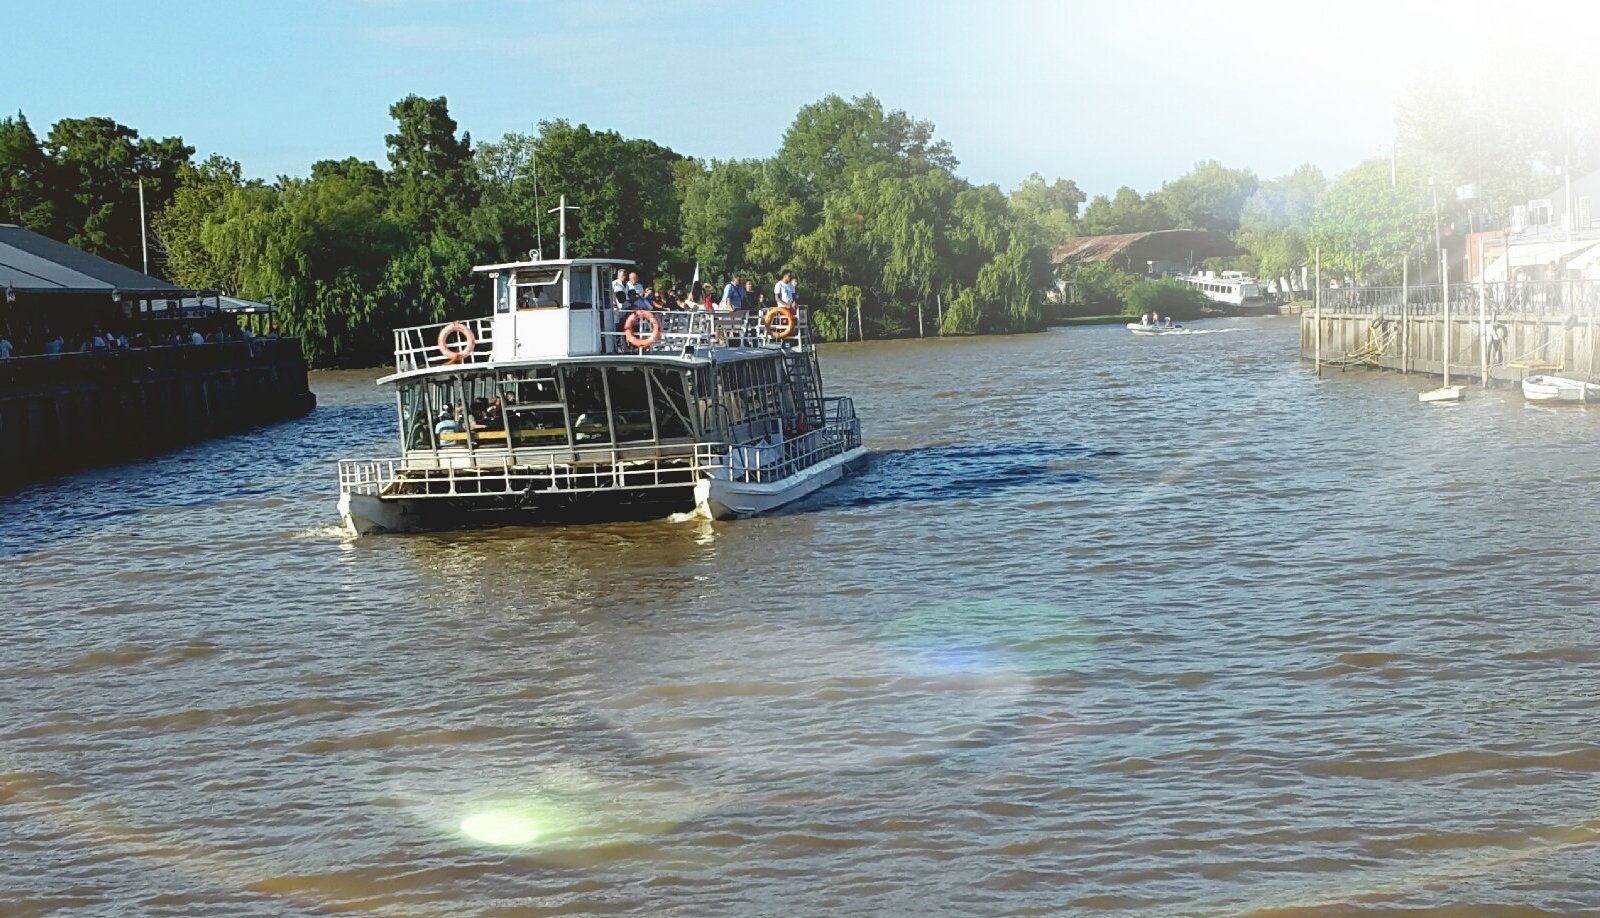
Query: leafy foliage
point(1126, 212)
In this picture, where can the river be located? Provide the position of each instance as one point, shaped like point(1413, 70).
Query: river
point(1109, 625)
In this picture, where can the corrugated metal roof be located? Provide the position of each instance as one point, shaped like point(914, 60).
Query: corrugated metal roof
point(31, 263)
point(1190, 244)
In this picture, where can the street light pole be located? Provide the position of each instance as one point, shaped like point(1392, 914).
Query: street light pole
point(1438, 239)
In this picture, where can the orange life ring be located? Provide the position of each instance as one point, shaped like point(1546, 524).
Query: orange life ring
point(781, 331)
point(630, 329)
point(451, 354)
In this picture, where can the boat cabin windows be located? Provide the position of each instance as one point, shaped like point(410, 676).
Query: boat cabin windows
point(537, 288)
point(580, 288)
point(549, 407)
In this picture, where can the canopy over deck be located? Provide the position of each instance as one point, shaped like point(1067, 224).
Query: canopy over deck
point(35, 264)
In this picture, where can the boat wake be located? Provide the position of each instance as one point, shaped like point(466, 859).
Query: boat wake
point(956, 472)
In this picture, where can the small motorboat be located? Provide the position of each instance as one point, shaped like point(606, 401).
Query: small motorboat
point(1558, 389)
point(1146, 328)
point(1441, 394)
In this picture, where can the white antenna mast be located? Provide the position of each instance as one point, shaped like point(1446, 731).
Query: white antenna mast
point(538, 228)
point(563, 211)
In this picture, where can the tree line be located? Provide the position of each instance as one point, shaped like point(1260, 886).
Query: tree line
point(862, 202)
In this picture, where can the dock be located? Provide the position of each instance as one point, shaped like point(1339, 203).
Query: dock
point(1489, 333)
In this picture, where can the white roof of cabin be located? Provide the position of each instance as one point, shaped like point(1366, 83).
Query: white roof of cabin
point(552, 263)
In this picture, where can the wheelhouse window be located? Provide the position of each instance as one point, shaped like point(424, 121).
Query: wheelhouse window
point(580, 288)
point(537, 288)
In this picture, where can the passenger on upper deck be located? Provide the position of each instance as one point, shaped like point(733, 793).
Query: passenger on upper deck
point(619, 288)
point(783, 292)
point(733, 294)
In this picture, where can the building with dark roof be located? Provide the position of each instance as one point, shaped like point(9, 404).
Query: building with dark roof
point(1158, 252)
point(32, 264)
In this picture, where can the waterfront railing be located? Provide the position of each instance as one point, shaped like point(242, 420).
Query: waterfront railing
point(78, 367)
point(1553, 298)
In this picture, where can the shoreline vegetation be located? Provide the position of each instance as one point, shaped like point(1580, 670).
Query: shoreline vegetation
point(863, 203)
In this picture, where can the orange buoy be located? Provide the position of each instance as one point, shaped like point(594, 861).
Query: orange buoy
point(630, 329)
point(774, 328)
point(456, 355)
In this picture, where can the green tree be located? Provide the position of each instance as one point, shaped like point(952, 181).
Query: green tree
point(624, 186)
point(180, 228)
point(1125, 212)
point(24, 174)
point(96, 167)
point(1047, 213)
point(432, 180)
point(1209, 197)
point(721, 208)
point(1364, 226)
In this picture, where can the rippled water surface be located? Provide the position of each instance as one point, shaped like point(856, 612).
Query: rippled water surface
point(1145, 626)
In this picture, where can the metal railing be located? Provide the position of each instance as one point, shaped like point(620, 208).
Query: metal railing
point(1553, 298)
point(696, 331)
point(767, 459)
point(614, 469)
point(622, 468)
point(682, 333)
point(77, 367)
point(417, 347)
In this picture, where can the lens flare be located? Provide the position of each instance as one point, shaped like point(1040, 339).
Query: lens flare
point(502, 828)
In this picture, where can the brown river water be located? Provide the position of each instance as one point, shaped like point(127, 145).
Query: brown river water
point(1109, 625)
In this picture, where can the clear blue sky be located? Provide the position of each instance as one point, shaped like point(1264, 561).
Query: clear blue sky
point(1106, 93)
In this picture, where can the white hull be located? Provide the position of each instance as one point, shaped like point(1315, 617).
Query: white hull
point(1442, 394)
point(717, 498)
point(1140, 329)
point(1558, 389)
point(366, 513)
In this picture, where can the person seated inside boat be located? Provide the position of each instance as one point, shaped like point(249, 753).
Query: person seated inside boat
point(491, 414)
point(449, 421)
point(1169, 322)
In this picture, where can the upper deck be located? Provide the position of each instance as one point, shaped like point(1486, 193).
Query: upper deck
point(563, 309)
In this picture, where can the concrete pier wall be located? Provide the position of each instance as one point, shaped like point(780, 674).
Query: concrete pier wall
point(69, 412)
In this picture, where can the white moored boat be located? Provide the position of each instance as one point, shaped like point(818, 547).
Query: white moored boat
point(562, 404)
point(1232, 288)
point(1558, 389)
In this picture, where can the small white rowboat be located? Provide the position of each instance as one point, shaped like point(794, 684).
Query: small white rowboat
point(1442, 394)
point(1558, 389)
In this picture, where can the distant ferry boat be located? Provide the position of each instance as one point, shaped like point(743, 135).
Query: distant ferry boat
point(561, 404)
point(1234, 288)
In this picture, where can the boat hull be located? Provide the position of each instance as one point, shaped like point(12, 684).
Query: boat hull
point(710, 498)
point(1441, 394)
point(1558, 389)
point(1154, 330)
point(720, 499)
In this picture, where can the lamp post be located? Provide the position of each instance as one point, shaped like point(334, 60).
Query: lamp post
point(1438, 239)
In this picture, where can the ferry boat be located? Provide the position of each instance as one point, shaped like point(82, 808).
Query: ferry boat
point(562, 404)
point(1234, 288)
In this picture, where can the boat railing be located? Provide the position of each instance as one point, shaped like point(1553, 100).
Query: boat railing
point(773, 458)
point(689, 332)
point(617, 468)
point(417, 347)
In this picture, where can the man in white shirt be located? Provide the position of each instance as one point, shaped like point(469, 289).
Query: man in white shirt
point(784, 290)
